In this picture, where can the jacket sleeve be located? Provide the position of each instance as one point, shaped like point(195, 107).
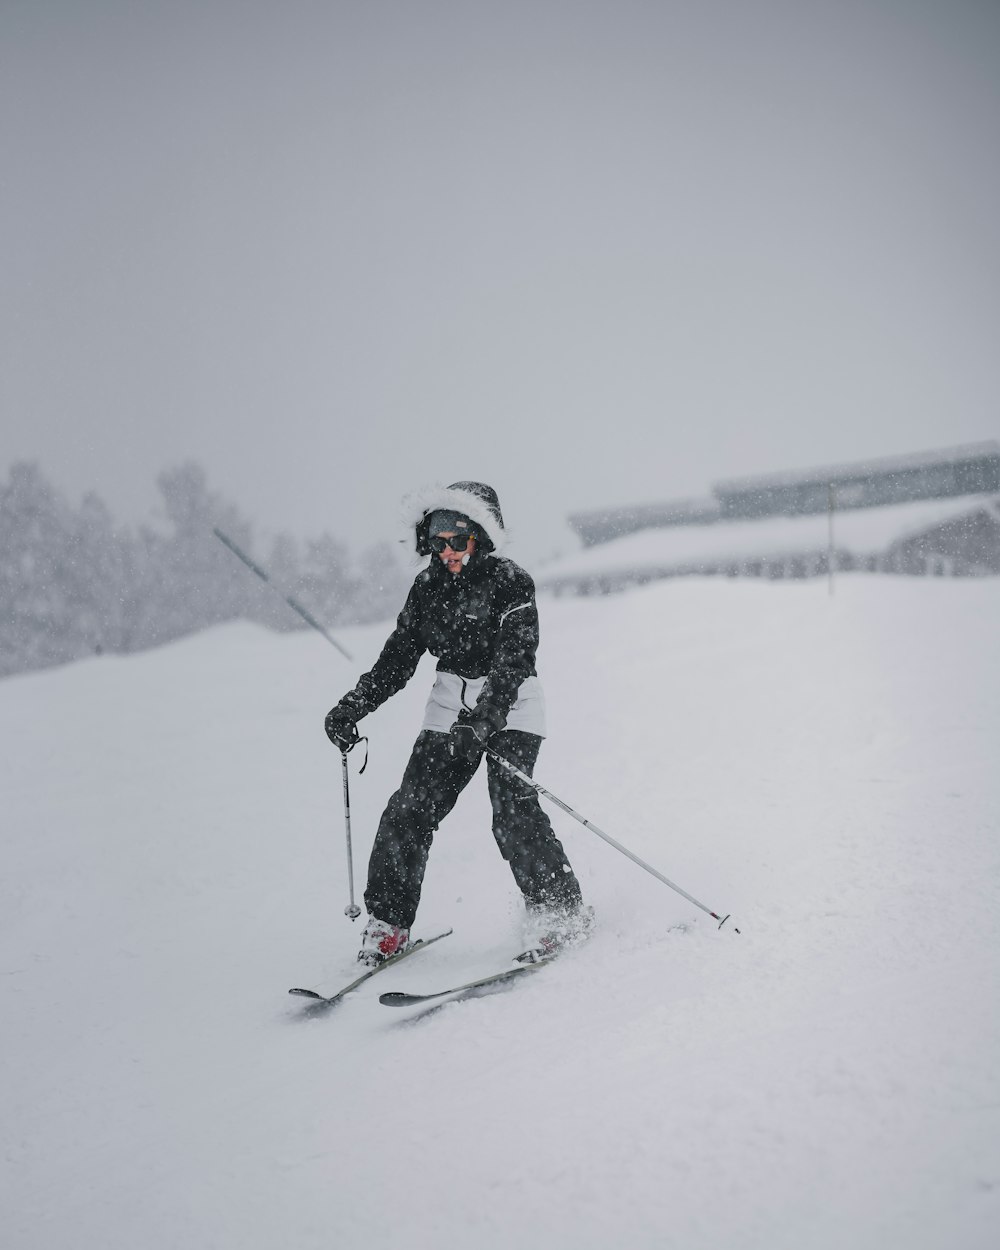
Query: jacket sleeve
point(514, 655)
point(395, 666)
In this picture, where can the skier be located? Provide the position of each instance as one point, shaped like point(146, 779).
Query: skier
point(475, 611)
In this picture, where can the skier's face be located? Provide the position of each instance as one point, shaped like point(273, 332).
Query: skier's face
point(454, 560)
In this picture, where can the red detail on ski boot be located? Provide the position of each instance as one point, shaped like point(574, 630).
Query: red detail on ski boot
point(381, 940)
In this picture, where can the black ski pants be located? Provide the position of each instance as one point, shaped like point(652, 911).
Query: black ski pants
point(431, 784)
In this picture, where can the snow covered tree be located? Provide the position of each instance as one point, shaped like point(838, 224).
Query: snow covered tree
point(382, 585)
point(326, 582)
point(74, 583)
point(44, 617)
point(195, 581)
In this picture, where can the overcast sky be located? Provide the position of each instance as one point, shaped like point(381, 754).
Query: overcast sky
point(592, 253)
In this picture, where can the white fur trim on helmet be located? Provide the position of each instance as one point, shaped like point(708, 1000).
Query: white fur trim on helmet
point(428, 499)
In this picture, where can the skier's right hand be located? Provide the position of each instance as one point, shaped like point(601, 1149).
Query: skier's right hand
point(342, 727)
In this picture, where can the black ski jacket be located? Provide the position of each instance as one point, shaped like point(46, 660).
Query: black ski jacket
point(482, 622)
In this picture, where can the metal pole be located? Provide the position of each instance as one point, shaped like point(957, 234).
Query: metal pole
point(292, 603)
point(352, 909)
point(540, 789)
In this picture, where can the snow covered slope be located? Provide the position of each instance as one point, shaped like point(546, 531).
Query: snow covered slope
point(825, 769)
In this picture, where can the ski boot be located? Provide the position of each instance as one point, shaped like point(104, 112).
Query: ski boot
point(380, 941)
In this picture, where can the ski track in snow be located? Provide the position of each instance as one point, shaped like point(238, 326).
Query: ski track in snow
point(823, 768)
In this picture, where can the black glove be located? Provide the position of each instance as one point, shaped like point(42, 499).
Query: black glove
point(342, 726)
point(472, 730)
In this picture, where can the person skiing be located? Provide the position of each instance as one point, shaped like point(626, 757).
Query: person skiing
point(475, 611)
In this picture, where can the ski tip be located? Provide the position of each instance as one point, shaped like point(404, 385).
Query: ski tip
point(394, 998)
point(306, 993)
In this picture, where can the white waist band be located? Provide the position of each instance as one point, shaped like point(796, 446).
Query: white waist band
point(446, 701)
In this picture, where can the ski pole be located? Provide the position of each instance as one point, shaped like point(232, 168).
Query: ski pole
point(540, 789)
point(352, 909)
point(292, 603)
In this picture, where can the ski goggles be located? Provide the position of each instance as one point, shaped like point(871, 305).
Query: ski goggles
point(457, 543)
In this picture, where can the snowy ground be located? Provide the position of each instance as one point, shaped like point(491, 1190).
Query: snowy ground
point(824, 769)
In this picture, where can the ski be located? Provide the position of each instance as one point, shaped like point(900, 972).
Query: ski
point(468, 990)
point(320, 1002)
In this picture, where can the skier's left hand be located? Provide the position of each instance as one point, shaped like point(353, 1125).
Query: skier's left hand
point(342, 727)
point(469, 734)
